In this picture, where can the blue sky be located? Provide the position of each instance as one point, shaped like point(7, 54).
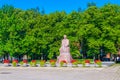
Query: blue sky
point(55, 5)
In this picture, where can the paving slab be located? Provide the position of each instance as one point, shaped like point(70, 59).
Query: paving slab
point(60, 73)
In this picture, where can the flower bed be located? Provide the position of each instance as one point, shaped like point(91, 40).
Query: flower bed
point(24, 63)
point(74, 63)
point(52, 63)
point(33, 63)
point(86, 63)
point(14, 63)
point(6, 62)
point(42, 63)
point(63, 63)
point(98, 63)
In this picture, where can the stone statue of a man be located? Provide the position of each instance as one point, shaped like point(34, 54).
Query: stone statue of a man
point(65, 51)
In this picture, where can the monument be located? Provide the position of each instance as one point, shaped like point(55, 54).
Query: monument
point(64, 51)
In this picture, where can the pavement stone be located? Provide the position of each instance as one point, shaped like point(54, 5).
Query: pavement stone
point(60, 73)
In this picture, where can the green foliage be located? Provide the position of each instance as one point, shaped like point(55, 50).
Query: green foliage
point(42, 63)
point(83, 63)
point(63, 63)
point(74, 63)
point(14, 64)
point(53, 64)
point(21, 63)
point(39, 35)
point(99, 64)
point(33, 64)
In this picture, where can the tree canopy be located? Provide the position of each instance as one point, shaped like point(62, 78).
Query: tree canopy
point(36, 34)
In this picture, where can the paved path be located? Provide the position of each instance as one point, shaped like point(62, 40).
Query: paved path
point(58, 73)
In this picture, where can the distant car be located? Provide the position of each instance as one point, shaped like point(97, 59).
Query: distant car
point(117, 59)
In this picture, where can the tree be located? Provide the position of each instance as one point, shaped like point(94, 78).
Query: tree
point(38, 35)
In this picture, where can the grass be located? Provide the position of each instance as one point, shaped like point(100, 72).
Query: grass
point(79, 61)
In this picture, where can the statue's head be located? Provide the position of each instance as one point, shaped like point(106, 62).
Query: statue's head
point(65, 36)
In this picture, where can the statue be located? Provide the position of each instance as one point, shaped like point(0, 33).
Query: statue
point(65, 51)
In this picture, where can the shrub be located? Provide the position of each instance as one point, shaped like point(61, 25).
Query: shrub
point(83, 63)
point(14, 63)
point(42, 63)
point(53, 63)
point(33, 63)
point(98, 62)
point(74, 63)
point(63, 63)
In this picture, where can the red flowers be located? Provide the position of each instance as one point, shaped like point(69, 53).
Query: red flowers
point(51, 61)
point(16, 61)
point(63, 61)
point(25, 61)
point(33, 61)
point(6, 61)
point(73, 61)
point(87, 61)
point(96, 61)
